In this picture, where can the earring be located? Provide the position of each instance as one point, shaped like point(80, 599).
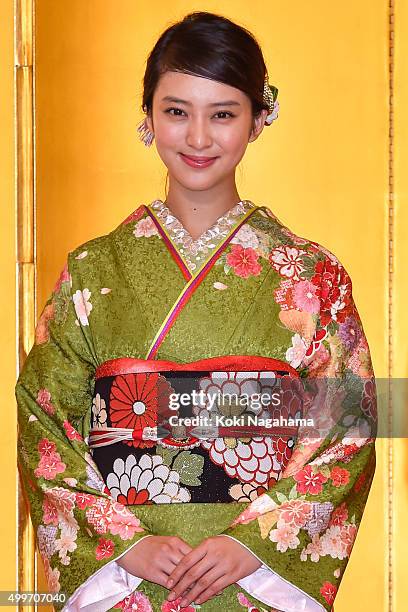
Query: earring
point(145, 135)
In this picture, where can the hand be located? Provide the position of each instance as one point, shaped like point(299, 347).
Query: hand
point(213, 565)
point(155, 557)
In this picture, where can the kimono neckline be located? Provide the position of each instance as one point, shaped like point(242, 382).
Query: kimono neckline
point(194, 252)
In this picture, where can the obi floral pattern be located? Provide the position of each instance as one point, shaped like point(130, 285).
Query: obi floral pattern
point(155, 471)
point(256, 289)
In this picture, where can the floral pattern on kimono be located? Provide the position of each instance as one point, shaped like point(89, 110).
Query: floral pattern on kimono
point(267, 292)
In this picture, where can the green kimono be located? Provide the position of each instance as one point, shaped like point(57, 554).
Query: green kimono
point(131, 309)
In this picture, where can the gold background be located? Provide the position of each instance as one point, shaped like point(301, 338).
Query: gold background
point(327, 167)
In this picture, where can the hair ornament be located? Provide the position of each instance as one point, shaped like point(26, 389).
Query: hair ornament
point(270, 93)
point(145, 135)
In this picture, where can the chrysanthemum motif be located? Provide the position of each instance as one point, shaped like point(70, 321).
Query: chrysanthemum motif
point(136, 400)
point(148, 481)
point(260, 459)
point(252, 461)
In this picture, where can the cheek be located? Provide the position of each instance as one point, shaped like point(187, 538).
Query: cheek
point(168, 135)
point(235, 143)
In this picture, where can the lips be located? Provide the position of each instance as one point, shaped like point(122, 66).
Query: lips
point(197, 159)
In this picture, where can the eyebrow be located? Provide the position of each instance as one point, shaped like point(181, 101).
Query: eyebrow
point(179, 101)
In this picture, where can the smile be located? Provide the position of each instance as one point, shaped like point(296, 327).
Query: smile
point(198, 162)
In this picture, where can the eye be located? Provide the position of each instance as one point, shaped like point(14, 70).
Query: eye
point(174, 109)
point(225, 113)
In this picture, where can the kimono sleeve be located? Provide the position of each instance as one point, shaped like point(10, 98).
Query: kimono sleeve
point(80, 529)
point(303, 528)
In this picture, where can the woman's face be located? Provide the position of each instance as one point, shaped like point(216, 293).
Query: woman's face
point(198, 117)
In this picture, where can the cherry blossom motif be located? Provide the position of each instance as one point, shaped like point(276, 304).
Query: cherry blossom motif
point(135, 400)
point(288, 261)
point(67, 540)
point(145, 227)
point(99, 414)
point(99, 515)
point(296, 353)
point(136, 601)
point(49, 466)
point(313, 549)
point(45, 447)
point(124, 525)
point(285, 536)
point(174, 606)
point(340, 476)
point(244, 261)
point(82, 305)
point(246, 237)
point(43, 399)
point(83, 500)
point(305, 297)
point(62, 500)
point(328, 591)
point(42, 332)
point(295, 512)
point(105, 549)
point(148, 480)
point(309, 482)
point(71, 432)
point(337, 540)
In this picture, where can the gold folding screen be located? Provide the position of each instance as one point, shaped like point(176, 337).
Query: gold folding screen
point(331, 168)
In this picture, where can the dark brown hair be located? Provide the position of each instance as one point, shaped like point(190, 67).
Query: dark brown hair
point(208, 45)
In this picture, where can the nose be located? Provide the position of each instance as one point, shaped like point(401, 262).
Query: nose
point(198, 134)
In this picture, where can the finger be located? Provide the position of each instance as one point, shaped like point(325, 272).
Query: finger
point(174, 557)
point(218, 585)
point(159, 577)
point(185, 564)
point(192, 576)
point(184, 548)
point(203, 584)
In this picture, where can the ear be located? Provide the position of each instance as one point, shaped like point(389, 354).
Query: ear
point(149, 122)
point(258, 125)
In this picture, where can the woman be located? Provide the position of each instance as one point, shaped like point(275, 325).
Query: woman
point(204, 291)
